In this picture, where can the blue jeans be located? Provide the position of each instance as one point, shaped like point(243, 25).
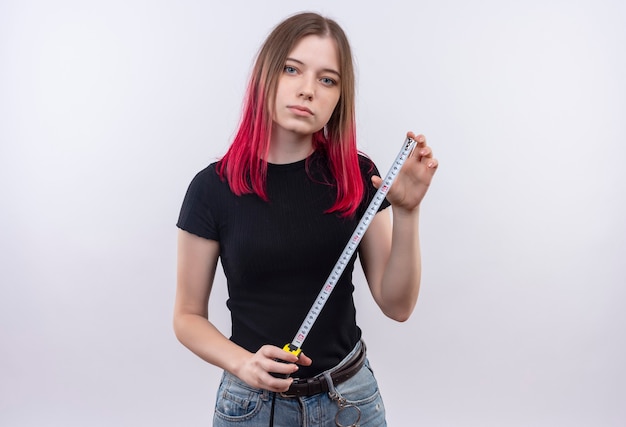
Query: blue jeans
point(239, 404)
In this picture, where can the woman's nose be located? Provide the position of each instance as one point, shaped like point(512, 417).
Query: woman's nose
point(307, 89)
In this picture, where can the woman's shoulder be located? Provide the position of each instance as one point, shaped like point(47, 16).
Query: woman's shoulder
point(208, 175)
point(208, 182)
point(367, 165)
point(208, 172)
point(364, 158)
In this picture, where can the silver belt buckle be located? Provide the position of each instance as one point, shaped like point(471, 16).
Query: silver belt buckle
point(286, 393)
point(289, 396)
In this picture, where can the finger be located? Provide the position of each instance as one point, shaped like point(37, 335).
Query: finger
point(274, 381)
point(277, 384)
point(273, 352)
point(284, 369)
point(425, 152)
point(421, 143)
point(415, 137)
point(304, 360)
point(376, 181)
point(432, 163)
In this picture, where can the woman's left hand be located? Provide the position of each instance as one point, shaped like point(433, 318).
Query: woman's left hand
point(413, 180)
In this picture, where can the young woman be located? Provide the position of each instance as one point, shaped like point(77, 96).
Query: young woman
point(277, 210)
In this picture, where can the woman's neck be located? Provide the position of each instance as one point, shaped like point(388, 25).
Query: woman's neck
point(289, 147)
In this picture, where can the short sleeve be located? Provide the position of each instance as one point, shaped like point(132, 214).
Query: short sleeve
point(196, 215)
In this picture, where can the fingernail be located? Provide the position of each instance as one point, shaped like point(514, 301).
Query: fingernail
point(431, 164)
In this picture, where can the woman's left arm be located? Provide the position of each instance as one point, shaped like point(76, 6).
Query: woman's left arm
point(390, 251)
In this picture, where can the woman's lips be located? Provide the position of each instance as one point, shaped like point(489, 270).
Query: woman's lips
point(300, 110)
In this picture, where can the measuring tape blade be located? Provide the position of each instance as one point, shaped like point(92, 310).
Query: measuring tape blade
point(295, 346)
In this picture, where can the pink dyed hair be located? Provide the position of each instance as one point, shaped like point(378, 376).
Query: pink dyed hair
point(243, 165)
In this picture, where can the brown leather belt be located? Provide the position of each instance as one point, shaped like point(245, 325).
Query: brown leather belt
point(309, 386)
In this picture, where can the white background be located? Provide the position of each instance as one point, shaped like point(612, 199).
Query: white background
point(108, 109)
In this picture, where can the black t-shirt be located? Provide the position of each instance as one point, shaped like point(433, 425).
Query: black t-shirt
point(276, 255)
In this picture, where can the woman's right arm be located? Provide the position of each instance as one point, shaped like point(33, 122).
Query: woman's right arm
point(197, 261)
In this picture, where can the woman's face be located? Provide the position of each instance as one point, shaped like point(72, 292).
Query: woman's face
point(309, 87)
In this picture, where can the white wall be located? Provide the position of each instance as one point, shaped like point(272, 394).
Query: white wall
point(108, 109)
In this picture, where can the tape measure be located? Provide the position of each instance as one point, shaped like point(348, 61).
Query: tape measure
point(294, 346)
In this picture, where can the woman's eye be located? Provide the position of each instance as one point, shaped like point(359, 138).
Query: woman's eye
point(289, 69)
point(328, 81)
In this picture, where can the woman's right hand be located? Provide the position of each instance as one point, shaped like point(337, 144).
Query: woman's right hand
point(257, 370)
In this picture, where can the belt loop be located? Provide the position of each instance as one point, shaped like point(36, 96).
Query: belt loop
point(331, 387)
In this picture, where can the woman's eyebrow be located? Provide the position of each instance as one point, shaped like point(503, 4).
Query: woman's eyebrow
point(327, 70)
